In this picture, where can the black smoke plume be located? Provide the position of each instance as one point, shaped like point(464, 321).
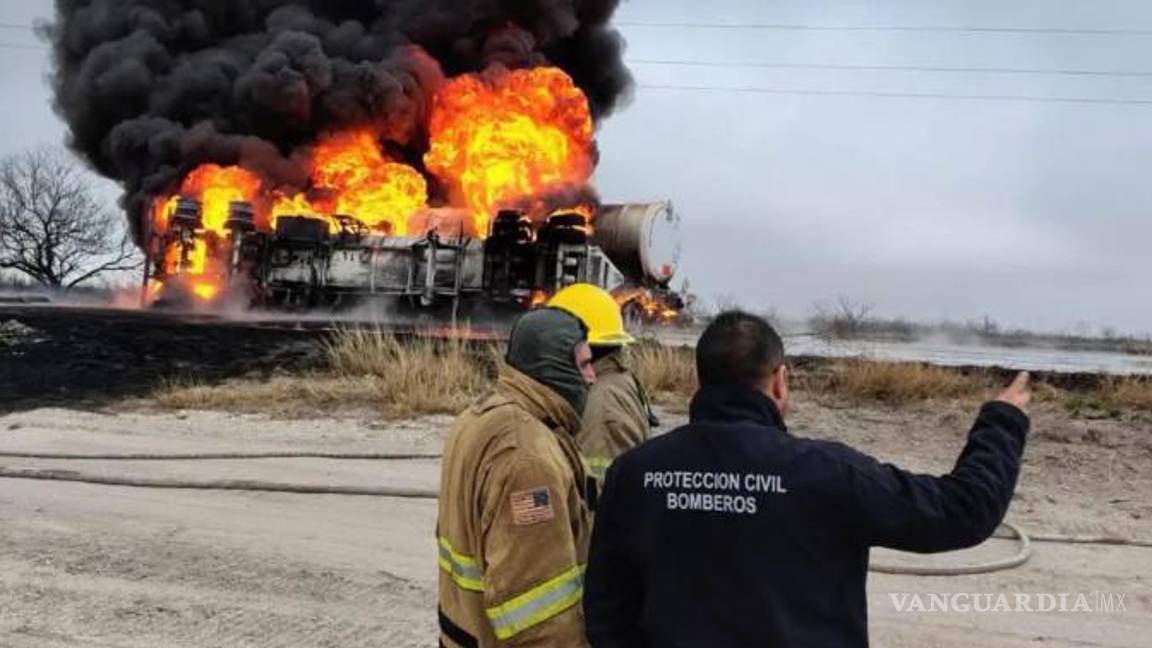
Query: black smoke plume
point(152, 88)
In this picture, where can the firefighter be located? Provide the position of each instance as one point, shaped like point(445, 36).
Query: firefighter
point(514, 522)
point(618, 416)
point(732, 532)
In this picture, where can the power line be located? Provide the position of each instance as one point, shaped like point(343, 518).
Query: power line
point(1070, 31)
point(19, 46)
point(899, 95)
point(887, 28)
point(889, 68)
point(1073, 31)
point(22, 47)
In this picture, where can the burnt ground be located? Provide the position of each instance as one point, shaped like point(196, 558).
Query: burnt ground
point(90, 357)
point(83, 356)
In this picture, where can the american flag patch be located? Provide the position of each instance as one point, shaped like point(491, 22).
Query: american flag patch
point(532, 506)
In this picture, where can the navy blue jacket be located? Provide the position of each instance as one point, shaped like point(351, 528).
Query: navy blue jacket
point(732, 532)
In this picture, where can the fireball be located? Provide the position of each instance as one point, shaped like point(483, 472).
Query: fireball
point(217, 188)
point(502, 137)
point(352, 176)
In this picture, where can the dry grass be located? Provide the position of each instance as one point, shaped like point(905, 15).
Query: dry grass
point(893, 383)
point(1113, 396)
point(668, 373)
point(401, 378)
point(420, 376)
point(305, 395)
point(1130, 393)
point(366, 368)
point(410, 364)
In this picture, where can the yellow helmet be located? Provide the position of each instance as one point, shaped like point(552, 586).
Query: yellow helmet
point(599, 312)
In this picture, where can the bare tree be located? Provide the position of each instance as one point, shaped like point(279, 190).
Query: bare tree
point(52, 228)
point(845, 319)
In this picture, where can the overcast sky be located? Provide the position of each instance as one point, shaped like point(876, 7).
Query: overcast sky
point(1038, 214)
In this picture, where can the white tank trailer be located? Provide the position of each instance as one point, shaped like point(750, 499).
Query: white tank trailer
point(632, 250)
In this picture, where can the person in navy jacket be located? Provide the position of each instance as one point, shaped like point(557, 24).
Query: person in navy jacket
point(732, 532)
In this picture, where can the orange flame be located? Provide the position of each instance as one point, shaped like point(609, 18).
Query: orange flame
point(161, 209)
point(205, 290)
point(587, 210)
point(654, 309)
point(503, 136)
point(294, 205)
point(216, 187)
point(197, 271)
point(353, 177)
point(500, 139)
point(368, 185)
point(153, 290)
point(195, 263)
point(539, 299)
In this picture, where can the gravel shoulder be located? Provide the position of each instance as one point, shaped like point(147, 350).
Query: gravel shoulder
point(87, 565)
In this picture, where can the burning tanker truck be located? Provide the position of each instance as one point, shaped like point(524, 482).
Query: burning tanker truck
point(308, 261)
point(300, 154)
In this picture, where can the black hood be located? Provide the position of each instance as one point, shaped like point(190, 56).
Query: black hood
point(543, 347)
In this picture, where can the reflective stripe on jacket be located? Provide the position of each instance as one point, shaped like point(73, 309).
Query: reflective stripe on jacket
point(514, 526)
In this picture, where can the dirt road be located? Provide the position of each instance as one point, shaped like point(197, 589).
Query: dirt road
point(99, 566)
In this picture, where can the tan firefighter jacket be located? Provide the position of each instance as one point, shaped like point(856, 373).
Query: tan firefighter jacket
point(617, 417)
point(514, 525)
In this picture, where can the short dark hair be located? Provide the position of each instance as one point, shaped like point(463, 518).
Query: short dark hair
point(738, 348)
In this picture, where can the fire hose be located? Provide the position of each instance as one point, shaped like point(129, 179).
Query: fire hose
point(218, 485)
point(1021, 557)
point(217, 456)
point(1014, 531)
